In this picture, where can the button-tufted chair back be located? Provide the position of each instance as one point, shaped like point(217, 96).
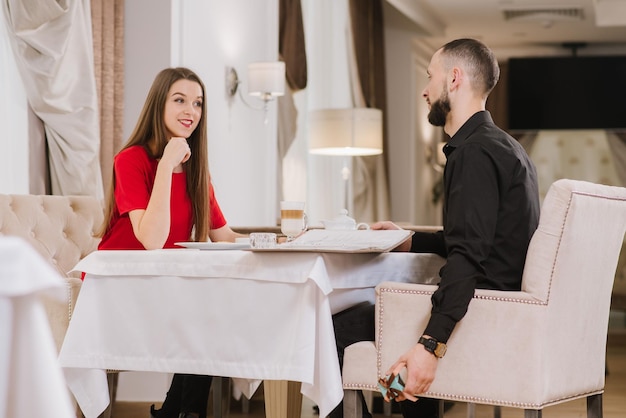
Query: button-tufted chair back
point(61, 229)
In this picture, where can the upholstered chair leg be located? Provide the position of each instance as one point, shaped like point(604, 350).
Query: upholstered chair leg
point(245, 405)
point(440, 410)
point(352, 407)
point(594, 406)
point(216, 387)
point(471, 410)
point(221, 396)
point(532, 413)
point(497, 412)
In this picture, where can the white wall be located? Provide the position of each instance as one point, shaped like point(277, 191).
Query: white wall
point(242, 149)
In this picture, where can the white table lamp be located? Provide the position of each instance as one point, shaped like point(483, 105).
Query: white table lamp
point(346, 132)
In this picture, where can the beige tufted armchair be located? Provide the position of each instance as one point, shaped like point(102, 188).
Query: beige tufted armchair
point(61, 229)
point(541, 346)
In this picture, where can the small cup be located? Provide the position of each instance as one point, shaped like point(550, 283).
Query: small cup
point(293, 219)
point(262, 240)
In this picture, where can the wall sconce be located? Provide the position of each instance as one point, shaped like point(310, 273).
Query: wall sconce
point(346, 132)
point(266, 80)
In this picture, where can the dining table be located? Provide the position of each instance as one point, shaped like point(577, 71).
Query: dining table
point(249, 315)
point(31, 380)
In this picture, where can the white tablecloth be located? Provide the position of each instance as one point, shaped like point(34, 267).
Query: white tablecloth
point(31, 381)
point(246, 315)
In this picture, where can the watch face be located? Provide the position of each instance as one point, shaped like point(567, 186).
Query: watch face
point(440, 351)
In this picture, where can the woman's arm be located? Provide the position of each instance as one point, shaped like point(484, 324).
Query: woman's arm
point(152, 225)
point(224, 234)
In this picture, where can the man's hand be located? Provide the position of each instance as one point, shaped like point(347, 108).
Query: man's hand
point(421, 367)
point(384, 225)
point(405, 246)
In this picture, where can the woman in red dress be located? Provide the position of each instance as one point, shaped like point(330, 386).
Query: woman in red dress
point(161, 194)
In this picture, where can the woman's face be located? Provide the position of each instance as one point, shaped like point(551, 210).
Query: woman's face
point(183, 108)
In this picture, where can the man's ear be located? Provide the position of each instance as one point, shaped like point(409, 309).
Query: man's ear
point(455, 77)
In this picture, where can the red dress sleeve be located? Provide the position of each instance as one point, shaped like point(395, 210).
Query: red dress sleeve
point(135, 172)
point(217, 217)
point(134, 179)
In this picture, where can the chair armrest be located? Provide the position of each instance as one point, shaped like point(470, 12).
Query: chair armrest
point(359, 367)
point(515, 323)
point(495, 320)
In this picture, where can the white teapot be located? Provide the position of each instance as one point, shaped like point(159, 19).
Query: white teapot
point(344, 222)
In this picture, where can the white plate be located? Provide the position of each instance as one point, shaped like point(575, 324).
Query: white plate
point(214, 245)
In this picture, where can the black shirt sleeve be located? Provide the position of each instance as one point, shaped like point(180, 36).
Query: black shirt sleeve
point(429, 242)
point(470, 218)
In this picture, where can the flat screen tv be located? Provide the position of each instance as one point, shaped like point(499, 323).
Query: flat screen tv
point(567, 93)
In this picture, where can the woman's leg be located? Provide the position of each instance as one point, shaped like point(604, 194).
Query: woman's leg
point(195, 394)
point(171, 405)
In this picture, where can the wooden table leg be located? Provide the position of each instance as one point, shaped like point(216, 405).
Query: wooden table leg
point(282, 399)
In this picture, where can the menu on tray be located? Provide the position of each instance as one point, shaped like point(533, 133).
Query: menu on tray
point(351, 241)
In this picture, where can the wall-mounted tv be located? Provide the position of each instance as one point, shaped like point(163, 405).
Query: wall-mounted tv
point(567, 93)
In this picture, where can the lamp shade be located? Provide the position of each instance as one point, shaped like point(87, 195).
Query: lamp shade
point(266, 79)
point(352, 131)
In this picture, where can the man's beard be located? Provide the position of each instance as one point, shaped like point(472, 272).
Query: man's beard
point(439, 110)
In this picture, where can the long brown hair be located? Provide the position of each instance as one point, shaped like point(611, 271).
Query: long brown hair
point(151, 133)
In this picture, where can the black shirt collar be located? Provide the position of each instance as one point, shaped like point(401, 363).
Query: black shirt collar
point(466, 130)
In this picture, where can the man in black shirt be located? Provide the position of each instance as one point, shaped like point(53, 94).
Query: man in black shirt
point(491, 210)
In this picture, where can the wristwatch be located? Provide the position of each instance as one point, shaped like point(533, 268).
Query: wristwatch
point(435, 347)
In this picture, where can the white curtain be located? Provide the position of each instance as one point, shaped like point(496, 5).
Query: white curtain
point(14, 175)
point(578, 155)
point(325, 23)
point(333, 82)
point(52, 44)
point(617, 144)
point(369, 197)
point(597, 156)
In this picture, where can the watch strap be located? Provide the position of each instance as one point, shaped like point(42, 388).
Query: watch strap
point(433, 346)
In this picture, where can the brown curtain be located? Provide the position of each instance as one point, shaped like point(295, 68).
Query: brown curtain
point(291, 43)
point(292, 51)
point(371, 202)
point(108, 45)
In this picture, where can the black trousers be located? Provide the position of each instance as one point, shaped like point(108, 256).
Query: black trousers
point(187, 393)
point(357, 324)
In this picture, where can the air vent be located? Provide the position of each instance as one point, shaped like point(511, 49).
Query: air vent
point(547, 13)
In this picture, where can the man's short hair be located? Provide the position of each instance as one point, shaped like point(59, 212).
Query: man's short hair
point(479, 61)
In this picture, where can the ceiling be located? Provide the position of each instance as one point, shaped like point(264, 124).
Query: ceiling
point(523, 27)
